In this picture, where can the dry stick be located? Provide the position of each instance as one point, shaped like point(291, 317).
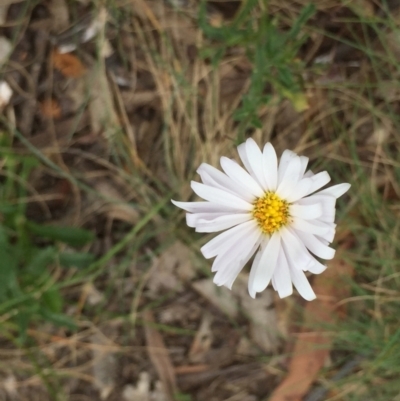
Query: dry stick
point(15, 66)
point(25, 125)
point(125, 121)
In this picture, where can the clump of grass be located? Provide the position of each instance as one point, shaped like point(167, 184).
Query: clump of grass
point(32, 255)
point(271, 51)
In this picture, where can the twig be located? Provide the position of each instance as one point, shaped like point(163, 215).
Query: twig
point(27, 116)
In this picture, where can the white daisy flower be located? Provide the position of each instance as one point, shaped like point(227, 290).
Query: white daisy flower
point(270, 210)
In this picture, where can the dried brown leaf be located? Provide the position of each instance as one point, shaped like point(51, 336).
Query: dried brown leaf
point(220, 297)
point(60, 15)
point(159, 356)
point(263, 323)
point(5, 49)
point(202, 341)
point(170, 269)
point(312, 348)
point(104, 367)
point(117, 208)
point(103, 114)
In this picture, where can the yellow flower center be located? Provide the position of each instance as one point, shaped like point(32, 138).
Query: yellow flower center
point(271, 212)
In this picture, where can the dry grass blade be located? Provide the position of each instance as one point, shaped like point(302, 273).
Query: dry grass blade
point(159, 356)
point(312, 348)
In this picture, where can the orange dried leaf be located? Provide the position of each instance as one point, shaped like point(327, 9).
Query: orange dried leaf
point(312, 348)
point(68, 64)
point(50, 108)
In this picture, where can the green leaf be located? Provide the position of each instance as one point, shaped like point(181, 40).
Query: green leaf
point(306, 13)
point(41, 259)
point(182, 397)
point(8, 264)
point(6, 208)
point(209, 31)
point(79, 260)
point(23, 318)
point(53, 300)
point(59, 319)
point(244, 12)
point(70, 235)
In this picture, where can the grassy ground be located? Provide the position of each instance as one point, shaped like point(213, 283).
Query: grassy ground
point(97, 267)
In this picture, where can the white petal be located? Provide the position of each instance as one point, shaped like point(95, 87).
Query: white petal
point(220, 197)
point(215, 178)
point(243, 156)
point(240, 175)
point(308, 174)
point(313, 266)
point(239, 268)
point(316, 267)
point(327, 202)
point(308, 227)
point(316, 246)
point(318, 181)
point(282, 279)
point(203, 207)
point(266, 265)
point(290, 178)
point(330, 227)
point(304, 162)
point(237, 250)
point(286, 157)
point(223, 241)
point(336, 190)
point(328, 209)
point(191, 219)
point(295, 250)
point(300, 190)
point(270, 167)
point(328, 218)
point(237, 257)
point(255, 263)
point(273, 281)
point(221, 223)
point(255, 158)
point(306, 212)
point(302, 285)
point(323, 240)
